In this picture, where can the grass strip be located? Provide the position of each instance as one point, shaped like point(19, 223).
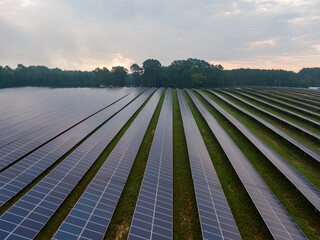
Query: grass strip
point(186, 224)
point(20, 194)
point(122, 217)
point(306, 165)
point(247, 217)
point(303, 138)
point(288, 117)
point(293, 108)
point(300, 209)
point(58, 217)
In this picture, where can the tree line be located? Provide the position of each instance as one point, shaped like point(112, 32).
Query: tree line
point(190, 73)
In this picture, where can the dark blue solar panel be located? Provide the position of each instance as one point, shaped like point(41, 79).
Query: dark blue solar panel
point(46, 110)
point(43, 199)
point(97, 204)
point(212, 204)
point(26, 170)
point(274, 215)
point(301, 183)
point(156, 191)
point(58, 125)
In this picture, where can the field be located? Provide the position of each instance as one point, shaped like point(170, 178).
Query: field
point(148, 163)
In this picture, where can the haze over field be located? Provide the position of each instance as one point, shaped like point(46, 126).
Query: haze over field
point(87, 34)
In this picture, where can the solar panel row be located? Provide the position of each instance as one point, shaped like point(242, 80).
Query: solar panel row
point(36, 120)
point(25, 126)
point(24, 145)
point(42, 105)
point(18, 176)
point(282, 97)
point(277, 219)
point(152, 218)
point(38, 127)
point(90, 217)
point(27, 217)
point(216, 219)
point(287, 105)
point(303, 91)
point(303, 97)
point(315, 123)
point(28, 105)
point(278, 131)
point(304, 130)
point(294, 96)
point(302, 184)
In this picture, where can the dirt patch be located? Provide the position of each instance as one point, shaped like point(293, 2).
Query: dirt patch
point(272, 140)
point(153, 131)
point(229, 187)
point(122, 230)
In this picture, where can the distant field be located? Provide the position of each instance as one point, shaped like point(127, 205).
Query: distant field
point(148, 163)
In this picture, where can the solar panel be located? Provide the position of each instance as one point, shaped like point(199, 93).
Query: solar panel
point(43, 200)
point(296, 96)
point(152, 218)
point(288, 105)
point(317, 124)
point(41, 112)
point(303, 185)
point(24, 145)
point(27, 169)
point(290, 139)
point(310, 133)
point(277, 219)
point(304, 91)
point(96, 206)
point(216, 219)
point(283, 97)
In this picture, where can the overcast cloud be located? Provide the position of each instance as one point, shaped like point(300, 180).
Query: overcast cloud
point(84, 34)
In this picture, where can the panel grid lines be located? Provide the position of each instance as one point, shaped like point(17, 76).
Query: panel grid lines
point(112, 178)
point(211, 201)
point(315, 135)
point(263, 198)
point(298, 144)
point(300, 182)
point(157, 178)
point(43, 205)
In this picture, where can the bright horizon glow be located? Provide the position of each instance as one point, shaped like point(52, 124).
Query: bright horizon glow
point(84, 35)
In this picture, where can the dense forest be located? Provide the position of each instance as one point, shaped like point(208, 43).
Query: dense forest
point(180, 73)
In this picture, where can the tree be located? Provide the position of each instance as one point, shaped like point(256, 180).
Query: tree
point(137, 73)
point(102, 77)
point(180, 73)
point(151, 74)
point(119, 75)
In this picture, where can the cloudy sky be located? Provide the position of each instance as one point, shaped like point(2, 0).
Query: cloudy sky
point(84, 34)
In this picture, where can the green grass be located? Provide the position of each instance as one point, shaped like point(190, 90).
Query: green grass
point(122, 217)
point(186, 224)
point(300, 209)
point(290, 100)
point(20, 194)
point(284, 106)
point(62, 212)
point(301, 123)
point(249, 222)
point(304, 138)
point(306, 165)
